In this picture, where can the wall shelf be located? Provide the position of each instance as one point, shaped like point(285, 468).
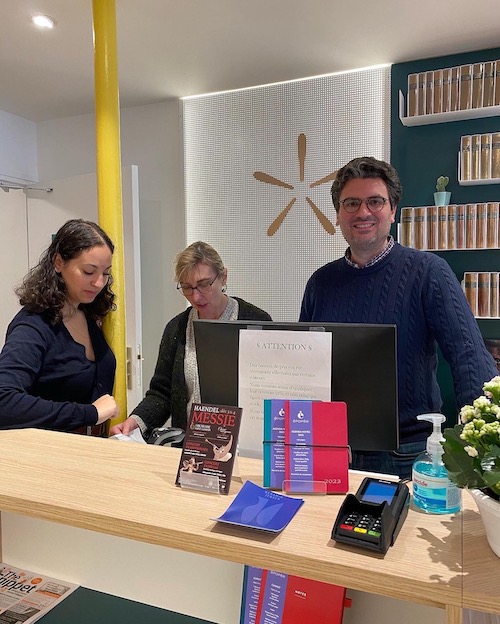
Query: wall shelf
point(435, 118)
point(462, 249)
point(481, 182)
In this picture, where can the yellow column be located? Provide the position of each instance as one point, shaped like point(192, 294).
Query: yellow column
point(109, 184)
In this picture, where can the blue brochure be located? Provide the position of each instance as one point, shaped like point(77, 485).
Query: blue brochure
point(258, 508)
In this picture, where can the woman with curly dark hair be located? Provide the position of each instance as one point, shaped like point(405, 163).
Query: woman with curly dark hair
point(56, 369)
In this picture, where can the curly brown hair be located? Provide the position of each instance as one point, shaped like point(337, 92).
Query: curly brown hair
point(43, 289)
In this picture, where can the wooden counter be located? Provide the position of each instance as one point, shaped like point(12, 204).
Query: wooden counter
point(128, 490)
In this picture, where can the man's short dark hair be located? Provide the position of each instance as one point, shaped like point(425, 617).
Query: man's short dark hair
point(367, 167)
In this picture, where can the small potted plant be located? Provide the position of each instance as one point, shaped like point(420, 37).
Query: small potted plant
point(472, 457)
point(442, 196)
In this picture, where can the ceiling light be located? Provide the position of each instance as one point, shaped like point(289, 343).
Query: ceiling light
point(43, 21)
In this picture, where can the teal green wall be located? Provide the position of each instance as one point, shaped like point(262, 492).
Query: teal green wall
point(421, 154)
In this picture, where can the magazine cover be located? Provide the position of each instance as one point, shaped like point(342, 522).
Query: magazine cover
point(210, 443)
point(26, 596)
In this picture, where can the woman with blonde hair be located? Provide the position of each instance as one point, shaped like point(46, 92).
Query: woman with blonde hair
point(202, 278)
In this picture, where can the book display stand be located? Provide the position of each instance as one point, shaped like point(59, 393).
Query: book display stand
point(199, 482)
point(304, 487)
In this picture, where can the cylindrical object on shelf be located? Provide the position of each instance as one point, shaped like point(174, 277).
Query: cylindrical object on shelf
point(460, 226)
point(470, 226)
point(412, 94)
point(407, 226)
point(488, 83)
point(477, 85)
point(442, 227)
point(432, 226)
point(452, 227)
point(494, 294)
point(454, 89)
point(474, 156)
point(437, 92)
point(485, 157)
point(480, 226)
point(470, 290)
point(419, 227)
point(465, 150)
point(483, 294)
point(465, 90)
point(495, 155)
point(492, 225)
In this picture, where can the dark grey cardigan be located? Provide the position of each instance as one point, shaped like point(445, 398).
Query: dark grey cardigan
point(167, 394)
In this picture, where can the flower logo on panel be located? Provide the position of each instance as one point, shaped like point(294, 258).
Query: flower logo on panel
point(269, 179)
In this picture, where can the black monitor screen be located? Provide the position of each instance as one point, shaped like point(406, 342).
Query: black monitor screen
point(364, 373)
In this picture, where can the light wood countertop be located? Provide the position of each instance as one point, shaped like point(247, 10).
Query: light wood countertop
point(128, 490)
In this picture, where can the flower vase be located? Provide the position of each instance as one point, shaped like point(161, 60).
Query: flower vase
point(489, 509)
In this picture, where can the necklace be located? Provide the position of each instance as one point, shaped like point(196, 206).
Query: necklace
point(76, 323)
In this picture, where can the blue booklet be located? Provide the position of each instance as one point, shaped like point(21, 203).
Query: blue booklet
point(258, 508)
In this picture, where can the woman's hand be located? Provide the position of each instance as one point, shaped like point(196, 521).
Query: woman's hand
point(106, 408)
point(126, 427)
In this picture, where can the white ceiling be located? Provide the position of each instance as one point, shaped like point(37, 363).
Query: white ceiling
point(173, 48)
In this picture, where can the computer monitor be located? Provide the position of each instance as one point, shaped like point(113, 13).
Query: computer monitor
point(364, 373)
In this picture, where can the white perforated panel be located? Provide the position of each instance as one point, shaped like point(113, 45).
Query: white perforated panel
point(230, 136)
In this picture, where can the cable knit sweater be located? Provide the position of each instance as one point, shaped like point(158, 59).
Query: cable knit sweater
point(418, 292)
point(167, 395)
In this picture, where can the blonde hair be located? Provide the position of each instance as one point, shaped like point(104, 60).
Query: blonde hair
point(194, 254)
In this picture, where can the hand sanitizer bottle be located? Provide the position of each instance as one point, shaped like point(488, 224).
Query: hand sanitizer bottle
point(432, 490)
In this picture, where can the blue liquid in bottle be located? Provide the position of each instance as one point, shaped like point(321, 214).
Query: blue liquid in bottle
point(432, 490)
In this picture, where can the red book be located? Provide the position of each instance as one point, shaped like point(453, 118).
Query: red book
point(285, 599)
point(316, 446)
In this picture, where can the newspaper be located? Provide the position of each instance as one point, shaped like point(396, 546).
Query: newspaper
point(25, 596)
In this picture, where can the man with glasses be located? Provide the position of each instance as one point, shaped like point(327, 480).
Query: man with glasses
point(380, 281)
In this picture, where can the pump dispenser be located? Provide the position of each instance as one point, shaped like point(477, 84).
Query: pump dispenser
point(432, 490)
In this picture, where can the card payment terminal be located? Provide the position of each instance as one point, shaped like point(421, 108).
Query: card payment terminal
point(373, 516)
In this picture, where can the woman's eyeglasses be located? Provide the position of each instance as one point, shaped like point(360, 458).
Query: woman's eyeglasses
point(203, 287)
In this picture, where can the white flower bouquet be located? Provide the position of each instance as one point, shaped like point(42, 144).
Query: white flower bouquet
point(472, 448)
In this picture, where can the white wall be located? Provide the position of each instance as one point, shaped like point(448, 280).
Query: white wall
point(13, 253)
point(151, 139)
point(18, 162)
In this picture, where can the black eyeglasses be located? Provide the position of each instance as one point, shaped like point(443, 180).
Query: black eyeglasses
point(203, 287)
point(374, 204)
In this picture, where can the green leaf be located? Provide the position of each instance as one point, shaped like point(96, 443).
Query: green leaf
point(490, 464)
point(463, 470)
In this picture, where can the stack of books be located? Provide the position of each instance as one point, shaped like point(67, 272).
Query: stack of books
point(305, 446)
point(481, 291)
point(464, 87)
point(462, 226)
point(480, 156)
point(270, 596)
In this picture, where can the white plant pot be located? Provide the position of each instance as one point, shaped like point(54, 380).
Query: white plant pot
point(489, 509)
